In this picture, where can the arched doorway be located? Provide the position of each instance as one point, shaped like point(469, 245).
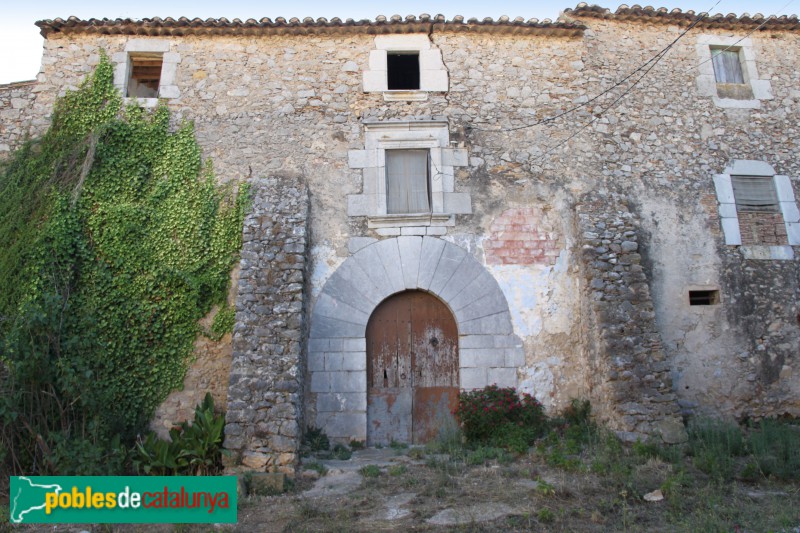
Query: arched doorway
point(412, 368)
point(488, 350)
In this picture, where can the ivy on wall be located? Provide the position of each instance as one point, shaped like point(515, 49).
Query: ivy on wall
point(116, 240)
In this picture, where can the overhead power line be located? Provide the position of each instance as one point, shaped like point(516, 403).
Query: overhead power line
point(652, 63)
point(640, 68)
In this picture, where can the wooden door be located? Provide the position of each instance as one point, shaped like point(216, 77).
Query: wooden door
point(412, 368)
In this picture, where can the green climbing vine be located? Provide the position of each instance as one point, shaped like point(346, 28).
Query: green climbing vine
point(116, 240)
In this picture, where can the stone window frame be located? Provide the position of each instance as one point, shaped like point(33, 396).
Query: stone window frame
point(707, 80)
point(167, 88)
point(432, 135)
point(433, 75)
point(729, 215)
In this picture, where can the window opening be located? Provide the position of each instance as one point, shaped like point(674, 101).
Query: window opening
point(729, 74)
point(145, 75)
point(403, 71)
point(710, 297)
point(755, 194)
point(727, 66)
point(407, 181)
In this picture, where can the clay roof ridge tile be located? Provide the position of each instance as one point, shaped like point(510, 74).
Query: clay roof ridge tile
point(182, 25)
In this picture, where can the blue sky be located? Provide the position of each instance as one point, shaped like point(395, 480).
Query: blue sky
point(21, 45)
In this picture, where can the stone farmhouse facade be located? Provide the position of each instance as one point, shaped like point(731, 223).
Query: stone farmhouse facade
point(602, 206)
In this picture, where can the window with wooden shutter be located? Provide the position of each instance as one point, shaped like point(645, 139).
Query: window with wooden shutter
point(729, 74)
point(727, 66)
point(755, 193)
point(407, 189)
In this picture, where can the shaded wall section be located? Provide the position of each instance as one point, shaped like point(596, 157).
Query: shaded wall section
point(629, 379)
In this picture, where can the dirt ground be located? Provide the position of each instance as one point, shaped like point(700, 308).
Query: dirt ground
point(414, 489)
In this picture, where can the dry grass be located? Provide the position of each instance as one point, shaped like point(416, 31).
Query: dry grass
point(542, 498)
point(580, 482)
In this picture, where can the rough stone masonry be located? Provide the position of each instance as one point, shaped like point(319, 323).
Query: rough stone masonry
point(265, 396)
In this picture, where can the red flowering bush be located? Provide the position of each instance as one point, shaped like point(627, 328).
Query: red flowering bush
point(500, 416)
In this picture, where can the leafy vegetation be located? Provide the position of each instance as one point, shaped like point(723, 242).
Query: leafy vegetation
point(116, 241)
point(341, 452)
point(223, 323)
point(193, 449)
point(501, 417)
point(314, 440)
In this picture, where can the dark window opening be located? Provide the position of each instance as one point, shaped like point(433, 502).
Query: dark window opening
point(704, 297)
point(145, 75)
point(403, 71)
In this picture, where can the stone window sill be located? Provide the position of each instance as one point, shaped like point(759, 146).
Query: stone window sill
point(733, 103)
point(762, 252)
point(405, 96)
point(413, 219)
point(142, 102)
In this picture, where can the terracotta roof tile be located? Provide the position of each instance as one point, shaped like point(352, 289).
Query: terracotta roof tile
point(637, 13)
point(394, 24)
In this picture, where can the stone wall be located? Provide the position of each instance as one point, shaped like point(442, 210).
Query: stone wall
point(16, 108)
point(209, 372)
point(628, 372)
point(762, 305)
point(538, 140)
point(265, 396)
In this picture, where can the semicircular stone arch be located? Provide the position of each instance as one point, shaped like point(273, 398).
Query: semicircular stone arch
point(489, 352)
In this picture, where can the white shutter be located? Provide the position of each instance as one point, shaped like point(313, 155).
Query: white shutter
point(407, 181)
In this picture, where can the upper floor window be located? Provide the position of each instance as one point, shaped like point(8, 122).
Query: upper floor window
point(727, 67)
point(407, 181)
point(731, 82)
point(755, 194)
point(408, 177)
point(147, 70)
point(405, 67)
point(758, 210)
point(145, 75)
point(727, 72)
point(402, 71)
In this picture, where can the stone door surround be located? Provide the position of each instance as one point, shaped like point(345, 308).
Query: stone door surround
point(489, 352)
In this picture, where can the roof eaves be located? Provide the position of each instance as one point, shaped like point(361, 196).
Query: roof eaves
point(662, 15)
point(294, 26)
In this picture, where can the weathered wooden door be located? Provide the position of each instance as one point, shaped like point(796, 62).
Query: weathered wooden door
point(412, 368)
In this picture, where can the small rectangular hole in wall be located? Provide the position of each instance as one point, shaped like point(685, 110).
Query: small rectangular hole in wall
point(403, 72)
point(145, 75)
point(704, 297)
